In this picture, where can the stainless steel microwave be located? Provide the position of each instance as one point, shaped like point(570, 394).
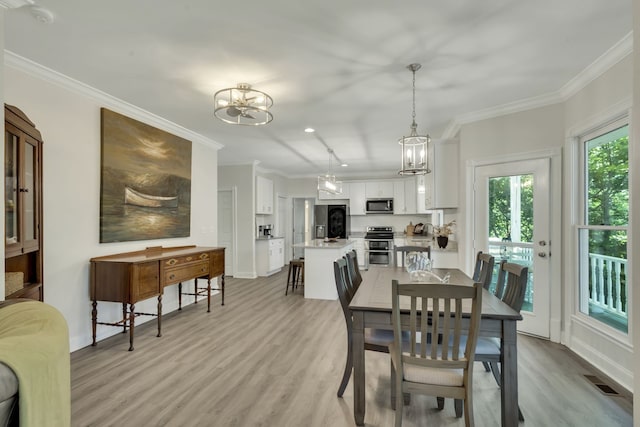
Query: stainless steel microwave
point(379, 206)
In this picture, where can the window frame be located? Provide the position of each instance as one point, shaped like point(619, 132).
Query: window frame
point(581, 225)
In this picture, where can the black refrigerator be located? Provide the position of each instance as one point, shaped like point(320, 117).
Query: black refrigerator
point(332, 221)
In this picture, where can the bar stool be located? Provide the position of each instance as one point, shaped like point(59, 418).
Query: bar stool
point(295, 275)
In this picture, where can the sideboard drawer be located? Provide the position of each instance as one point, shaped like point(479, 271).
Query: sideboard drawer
point(180, 273)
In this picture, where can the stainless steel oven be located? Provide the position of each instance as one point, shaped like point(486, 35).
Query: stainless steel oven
point(378, 246)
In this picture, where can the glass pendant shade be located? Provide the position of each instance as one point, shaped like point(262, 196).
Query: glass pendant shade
point(415, 154)
point(327, 182)
point(243, 105)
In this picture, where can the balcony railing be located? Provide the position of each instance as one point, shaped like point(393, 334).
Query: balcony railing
point(607, 277)
point(607, 289)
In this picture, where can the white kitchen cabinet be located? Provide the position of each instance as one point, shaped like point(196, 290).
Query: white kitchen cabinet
point(357, 198)
point(378, 189)
point(264, 195)
point(269, 256)
point(358, 245)
point(404, 196)
point(441, 186)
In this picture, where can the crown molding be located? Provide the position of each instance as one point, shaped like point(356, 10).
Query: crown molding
point(37, 70)
point(14, 4)
point(510, 108)
point(604, 62)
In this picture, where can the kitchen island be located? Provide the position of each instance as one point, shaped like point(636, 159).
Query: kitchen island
point(319, 281)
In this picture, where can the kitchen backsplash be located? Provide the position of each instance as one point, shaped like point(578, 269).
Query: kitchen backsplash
point(359, 223)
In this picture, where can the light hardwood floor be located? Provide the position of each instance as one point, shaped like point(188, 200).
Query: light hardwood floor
point(266, 359)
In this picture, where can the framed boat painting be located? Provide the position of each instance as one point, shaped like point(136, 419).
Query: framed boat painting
point(145, 189)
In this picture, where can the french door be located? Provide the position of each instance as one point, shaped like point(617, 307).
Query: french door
point(511, 221)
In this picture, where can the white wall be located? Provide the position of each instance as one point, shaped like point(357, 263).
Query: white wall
point(68, 116)
point(604, 99)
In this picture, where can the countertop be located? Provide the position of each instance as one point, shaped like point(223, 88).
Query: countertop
point(269, 238)
point(321, 244)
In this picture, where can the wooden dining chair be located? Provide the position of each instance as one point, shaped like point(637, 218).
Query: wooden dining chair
point(483, 271)
point(403, 250)
point(511, 289)
point(438, 369)
point(374, 339)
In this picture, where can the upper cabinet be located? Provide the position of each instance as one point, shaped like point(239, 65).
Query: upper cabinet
point(264, 195)
point(404, 196)
point(378, 189)
point(23, 206)
point(441, 185)
point(357, 198)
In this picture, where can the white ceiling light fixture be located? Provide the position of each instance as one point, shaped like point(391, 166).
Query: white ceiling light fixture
point(415, 148)
point(327, 182)
point(242, 105)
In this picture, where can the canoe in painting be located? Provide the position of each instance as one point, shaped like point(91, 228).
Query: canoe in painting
point(136, 198)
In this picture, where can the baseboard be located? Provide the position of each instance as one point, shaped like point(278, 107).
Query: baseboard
point(609, 367)
point(240, 275)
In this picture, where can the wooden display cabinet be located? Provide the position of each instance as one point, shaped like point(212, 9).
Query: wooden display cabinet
point(23, 205)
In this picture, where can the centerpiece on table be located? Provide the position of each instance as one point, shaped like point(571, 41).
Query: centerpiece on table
point(442, 233)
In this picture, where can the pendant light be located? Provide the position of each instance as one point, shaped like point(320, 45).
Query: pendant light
point(415, 148)
point(327, 182)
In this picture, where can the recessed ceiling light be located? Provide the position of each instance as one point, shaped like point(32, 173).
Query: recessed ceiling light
point(309, 130)
point(344, 165)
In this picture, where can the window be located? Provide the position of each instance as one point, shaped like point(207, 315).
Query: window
point(602, 229)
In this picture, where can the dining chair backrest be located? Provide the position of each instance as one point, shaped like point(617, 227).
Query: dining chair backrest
point(403, 250)
point(353, 269)
point(483, 271)
point(343, 288)
point(512, 284)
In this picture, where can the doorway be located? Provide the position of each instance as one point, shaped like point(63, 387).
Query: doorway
point(226, 228)
point(512, 211)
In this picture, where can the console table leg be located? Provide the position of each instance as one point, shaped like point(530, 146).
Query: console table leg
point(124, 317)
point(209, 295)
point(180, 296)
point(131, 325)
point(94, 320)
point(160, 315)
point(222, 287)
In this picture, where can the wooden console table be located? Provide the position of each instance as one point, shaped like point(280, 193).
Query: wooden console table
point(135, 276)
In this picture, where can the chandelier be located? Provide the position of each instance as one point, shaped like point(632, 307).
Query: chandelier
point(327, 182)
point(242, 105)
point(415, 148)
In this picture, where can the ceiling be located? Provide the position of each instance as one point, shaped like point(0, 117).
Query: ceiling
point(336, 66)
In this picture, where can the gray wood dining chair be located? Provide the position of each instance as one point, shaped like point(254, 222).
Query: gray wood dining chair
point(483, 271)
point(434, 368)
point(374, 339)
point(511, 289)
point(403, 250)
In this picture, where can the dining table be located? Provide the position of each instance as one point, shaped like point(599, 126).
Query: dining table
point(371, 308)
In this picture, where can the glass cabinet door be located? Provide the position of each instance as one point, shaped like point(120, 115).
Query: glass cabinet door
point(28, 192)
point(11, 188)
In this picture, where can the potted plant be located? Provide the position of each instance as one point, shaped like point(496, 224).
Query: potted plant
point(442, 233)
